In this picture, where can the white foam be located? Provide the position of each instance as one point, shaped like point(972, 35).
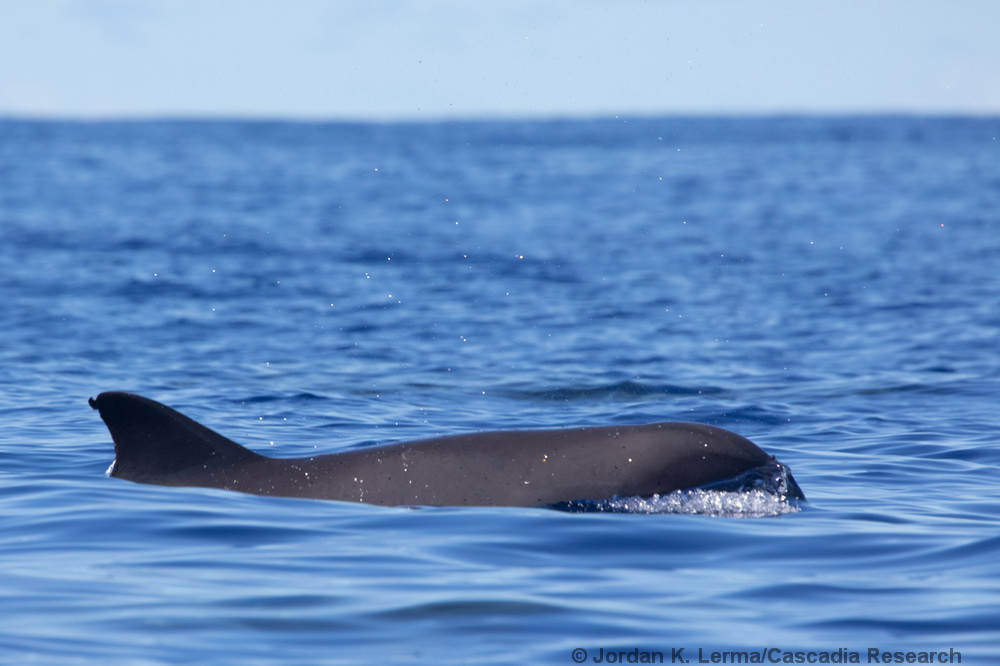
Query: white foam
point(724, 504)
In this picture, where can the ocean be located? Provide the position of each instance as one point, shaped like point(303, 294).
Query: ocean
point(826, 286)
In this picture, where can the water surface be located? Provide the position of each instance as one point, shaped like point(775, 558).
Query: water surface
point(827, 287)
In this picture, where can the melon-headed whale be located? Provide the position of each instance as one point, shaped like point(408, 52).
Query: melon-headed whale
point(157, 445)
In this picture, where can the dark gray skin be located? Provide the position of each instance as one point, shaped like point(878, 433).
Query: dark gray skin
point(158, 445)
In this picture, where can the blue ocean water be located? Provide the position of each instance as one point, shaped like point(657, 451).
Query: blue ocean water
point(827, 287)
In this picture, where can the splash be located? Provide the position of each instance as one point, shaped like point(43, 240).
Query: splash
point(763, 492)
point(716, 503)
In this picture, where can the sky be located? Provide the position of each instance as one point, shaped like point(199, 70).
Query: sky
point(432, 59)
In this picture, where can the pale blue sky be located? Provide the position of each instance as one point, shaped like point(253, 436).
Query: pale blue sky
point(391, 59)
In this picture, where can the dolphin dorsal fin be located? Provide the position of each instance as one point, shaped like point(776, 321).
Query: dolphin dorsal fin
point(153, 441)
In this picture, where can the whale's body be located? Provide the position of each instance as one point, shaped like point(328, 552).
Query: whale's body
point(158, 445)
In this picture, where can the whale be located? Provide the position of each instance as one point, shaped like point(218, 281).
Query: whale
point(155, 444)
